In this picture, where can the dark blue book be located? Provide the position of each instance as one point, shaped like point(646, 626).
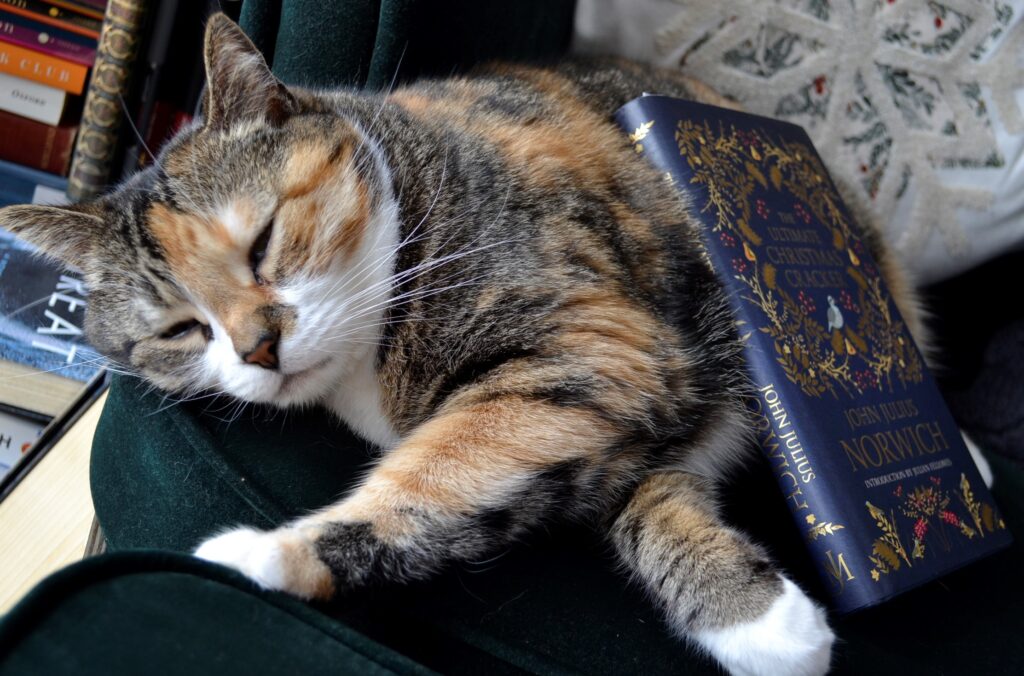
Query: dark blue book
point(42, 308)
point(21, 185)
point(868, 456)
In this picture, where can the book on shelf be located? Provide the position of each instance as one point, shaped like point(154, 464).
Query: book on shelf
point(37, 145)
point(90, 9)
point(870, 461)
point(106, 98)
point(42, 68)
point(32, 100)
point(21, 185)
point(51, 15)
point(48, 40)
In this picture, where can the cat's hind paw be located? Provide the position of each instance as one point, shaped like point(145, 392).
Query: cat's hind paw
point(281, 560)
point(793, 637)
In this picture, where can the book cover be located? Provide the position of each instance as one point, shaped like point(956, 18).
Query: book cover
point(871, 462)
point(31, 99)
point(37, 145)
point(41, 313)
point(42, 68)
point(53, 16)
point(48, 40)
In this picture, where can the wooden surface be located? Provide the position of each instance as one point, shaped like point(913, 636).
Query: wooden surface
point(45, 521)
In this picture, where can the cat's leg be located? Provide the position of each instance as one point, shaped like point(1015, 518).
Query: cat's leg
point(459, 486)
point(714, 585)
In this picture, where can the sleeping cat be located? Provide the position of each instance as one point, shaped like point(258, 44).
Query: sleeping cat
point(478, 275)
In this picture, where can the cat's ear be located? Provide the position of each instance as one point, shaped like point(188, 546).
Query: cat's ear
point(68, 233)
point(239, 85)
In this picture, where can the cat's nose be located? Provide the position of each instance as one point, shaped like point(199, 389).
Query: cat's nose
point(265, 352)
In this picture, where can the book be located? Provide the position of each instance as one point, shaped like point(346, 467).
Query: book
point(85, 9)
point(42, 68)
point(53, 41)
point(17, 434)
point(44, 359)
point(37, 145)
point(102, 116)
point(31, 99)
point(21, 185)
point(53, 16)
point(869, 458)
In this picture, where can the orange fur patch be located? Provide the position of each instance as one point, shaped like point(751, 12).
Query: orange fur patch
point(459, 462)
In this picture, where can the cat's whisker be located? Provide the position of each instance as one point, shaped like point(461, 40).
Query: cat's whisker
point(26, 306)
point(135, 130)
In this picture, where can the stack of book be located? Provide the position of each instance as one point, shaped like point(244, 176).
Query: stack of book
point(86, 97)
point(47, 49)
point(44, 361)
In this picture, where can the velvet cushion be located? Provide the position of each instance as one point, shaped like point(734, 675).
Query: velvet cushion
point(157, 613)
point(326, 44)
point(553, 604)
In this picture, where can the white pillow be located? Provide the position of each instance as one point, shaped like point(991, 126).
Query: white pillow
point(916, 103)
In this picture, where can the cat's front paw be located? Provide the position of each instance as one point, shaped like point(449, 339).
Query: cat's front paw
point(793, 637)
point(282, 560)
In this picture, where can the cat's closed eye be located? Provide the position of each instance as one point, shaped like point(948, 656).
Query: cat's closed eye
point(259, 251)
point(183, 329)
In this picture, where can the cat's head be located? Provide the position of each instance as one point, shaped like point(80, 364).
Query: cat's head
point(251, 259)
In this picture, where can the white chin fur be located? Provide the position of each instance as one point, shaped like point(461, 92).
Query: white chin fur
point(792, 638)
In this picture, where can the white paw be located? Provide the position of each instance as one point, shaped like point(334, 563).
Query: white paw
point(792, 638)
point(281, 560)
point(984, 469)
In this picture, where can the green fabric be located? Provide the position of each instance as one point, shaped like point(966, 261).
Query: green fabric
point(157, 613)
point(551, 605)
point(365, 43)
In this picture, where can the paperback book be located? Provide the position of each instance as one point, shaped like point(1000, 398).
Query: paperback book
point(44, 359)
point(869, 458)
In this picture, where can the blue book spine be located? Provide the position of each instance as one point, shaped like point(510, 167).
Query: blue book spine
point(18, 183)
point(869, 459)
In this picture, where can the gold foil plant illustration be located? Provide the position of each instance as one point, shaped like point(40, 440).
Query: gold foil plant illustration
point(930, 512)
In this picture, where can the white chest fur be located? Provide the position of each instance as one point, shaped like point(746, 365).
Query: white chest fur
point(358, 403)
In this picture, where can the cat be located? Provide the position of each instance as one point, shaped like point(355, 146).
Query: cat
point(478, 275)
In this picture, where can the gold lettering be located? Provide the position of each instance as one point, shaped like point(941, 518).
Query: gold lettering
point(838, 569)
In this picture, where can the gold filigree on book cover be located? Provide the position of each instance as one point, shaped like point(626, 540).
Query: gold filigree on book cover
point(855, 344)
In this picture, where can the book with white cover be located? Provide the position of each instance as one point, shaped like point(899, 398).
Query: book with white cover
point(31, 99)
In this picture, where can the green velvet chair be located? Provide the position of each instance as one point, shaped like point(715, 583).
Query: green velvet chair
point(166, 476)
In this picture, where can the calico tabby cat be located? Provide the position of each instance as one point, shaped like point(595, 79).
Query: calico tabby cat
point(478, 275)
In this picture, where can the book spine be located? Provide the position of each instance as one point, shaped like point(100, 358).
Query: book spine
point(29, 99)
point(38, 11)
point(41, 68)
point(101, 119)
point(77, 7)
point(47, 42)
point(21, 185)
point(36, 145)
